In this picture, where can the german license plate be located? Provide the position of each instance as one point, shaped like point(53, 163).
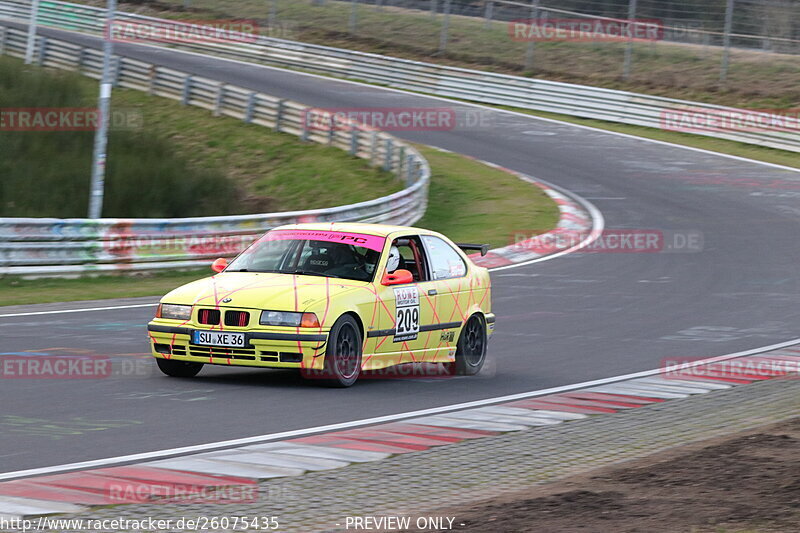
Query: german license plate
point(218, 338)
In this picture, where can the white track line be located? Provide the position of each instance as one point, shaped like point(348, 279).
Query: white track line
point(172, 452)
point(80, 310)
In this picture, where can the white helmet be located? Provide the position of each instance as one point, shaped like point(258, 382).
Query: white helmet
point(394, 260)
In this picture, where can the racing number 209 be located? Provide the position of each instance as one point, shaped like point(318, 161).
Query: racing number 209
point(407, 320)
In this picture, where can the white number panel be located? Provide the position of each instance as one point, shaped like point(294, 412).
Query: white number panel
point(407, 314)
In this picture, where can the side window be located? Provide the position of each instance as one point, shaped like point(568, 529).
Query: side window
point(412, 258)
point(445, 262)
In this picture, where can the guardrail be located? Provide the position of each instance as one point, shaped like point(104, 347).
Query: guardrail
point(758, 128)
point(57, 247)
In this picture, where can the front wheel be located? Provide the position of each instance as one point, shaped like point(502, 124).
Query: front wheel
point(179, 369)
point(343, 354)
point(471, 347)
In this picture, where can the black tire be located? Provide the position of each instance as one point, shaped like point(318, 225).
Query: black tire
point(179, 369)
point(471, 347)
point(343, 354)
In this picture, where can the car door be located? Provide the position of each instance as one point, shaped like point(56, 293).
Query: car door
point(449, 280)
point(409, 309)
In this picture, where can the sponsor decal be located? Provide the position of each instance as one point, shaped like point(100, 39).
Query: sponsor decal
point(372, 242)
point(407, 314)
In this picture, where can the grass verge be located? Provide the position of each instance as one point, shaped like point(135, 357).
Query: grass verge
point(169, 161)
point(473, 202)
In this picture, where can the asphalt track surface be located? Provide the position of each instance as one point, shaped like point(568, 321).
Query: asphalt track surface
point(575, 318)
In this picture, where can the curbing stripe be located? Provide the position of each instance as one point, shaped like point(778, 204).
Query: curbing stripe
point(621, 388)
point(710, 385)
point(451, 422)
point(23, 507)
point(353, 456)
point(274, 459)
point(208, 466)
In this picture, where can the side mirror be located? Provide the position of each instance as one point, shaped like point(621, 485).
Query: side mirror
point(398, 277)
point(219, 265)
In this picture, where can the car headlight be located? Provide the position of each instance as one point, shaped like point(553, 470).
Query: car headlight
point(289, 318)
point(174, 312)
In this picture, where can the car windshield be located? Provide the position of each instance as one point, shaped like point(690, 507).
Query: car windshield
point(332, 254)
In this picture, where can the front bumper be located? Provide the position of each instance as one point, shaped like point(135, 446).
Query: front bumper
point(269, 347)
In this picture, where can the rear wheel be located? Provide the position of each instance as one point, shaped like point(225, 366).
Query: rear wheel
point(179, 369)
point(343, 355)
point(471, 347)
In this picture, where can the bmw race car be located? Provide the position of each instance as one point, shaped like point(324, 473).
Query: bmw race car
point(332, 300)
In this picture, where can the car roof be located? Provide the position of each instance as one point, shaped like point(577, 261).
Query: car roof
point(381, 230)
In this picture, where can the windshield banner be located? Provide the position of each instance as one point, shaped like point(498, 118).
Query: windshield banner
point(372, 242)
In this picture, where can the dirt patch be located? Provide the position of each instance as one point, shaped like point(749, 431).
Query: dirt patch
point(748, 482)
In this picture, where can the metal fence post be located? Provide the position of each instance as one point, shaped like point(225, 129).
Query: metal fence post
point(251, 108)
point(401, 159)
point(626, 68)
point(378, 5)
point(304, 135)
point(488, 14)
point(32, 32)
point(354, 140)
point(42, 50)
point(220, 98)
point(723, 71)
point(117, 71)
point(99, 156)
point(3, 38)
point(409, 170)
point(279, 115)
point(387, 160)
point(353, 25)
point(187, 90)
point(445, 27)
point(434, 7)
point(373, 155)
point(529, 52)
point(153, 79)
point(273, 17)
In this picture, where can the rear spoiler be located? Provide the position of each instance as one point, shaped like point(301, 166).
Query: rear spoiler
point(482, 248)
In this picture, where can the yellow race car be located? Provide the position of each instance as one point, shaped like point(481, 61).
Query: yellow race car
point(332, 300)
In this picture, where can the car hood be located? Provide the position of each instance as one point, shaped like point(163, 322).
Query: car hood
point(279, 292)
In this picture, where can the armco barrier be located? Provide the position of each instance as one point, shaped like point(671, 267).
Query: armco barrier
point(569, 99)
point(56, 247)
